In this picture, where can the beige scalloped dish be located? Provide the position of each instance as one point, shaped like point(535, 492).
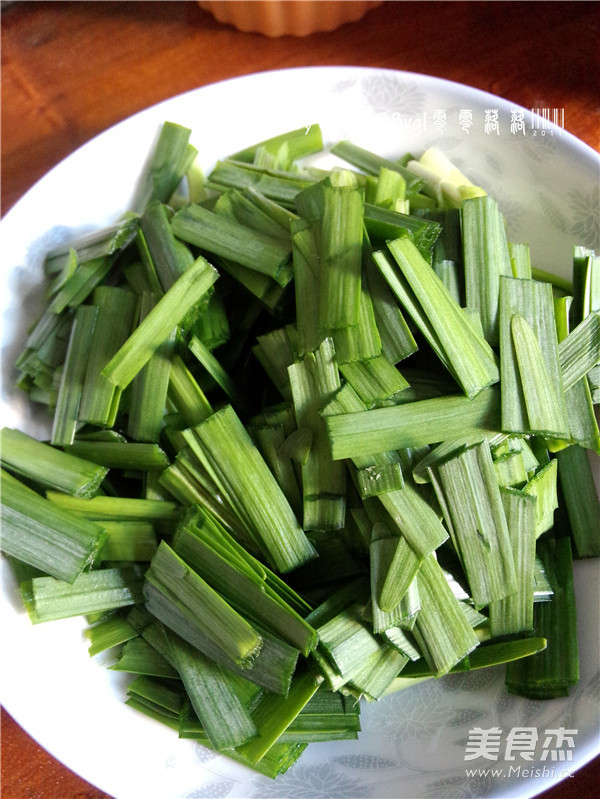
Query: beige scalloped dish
point(288, 18)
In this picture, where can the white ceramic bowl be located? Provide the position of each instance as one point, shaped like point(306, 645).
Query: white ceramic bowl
point(413, 743)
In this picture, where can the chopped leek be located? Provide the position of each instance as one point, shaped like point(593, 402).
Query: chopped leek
point(355, 462)
point(44, 535)
point(99, 590)
point(48, 466)
point(155, 329)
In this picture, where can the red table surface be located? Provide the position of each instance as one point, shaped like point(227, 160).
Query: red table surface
point(72, 69)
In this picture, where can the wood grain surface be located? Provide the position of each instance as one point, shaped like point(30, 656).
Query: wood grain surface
point(70, 70)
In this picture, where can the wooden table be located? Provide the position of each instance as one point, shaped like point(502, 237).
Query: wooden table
point(72, 69)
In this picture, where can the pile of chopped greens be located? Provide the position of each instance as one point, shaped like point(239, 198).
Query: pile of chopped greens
point(317, 435)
